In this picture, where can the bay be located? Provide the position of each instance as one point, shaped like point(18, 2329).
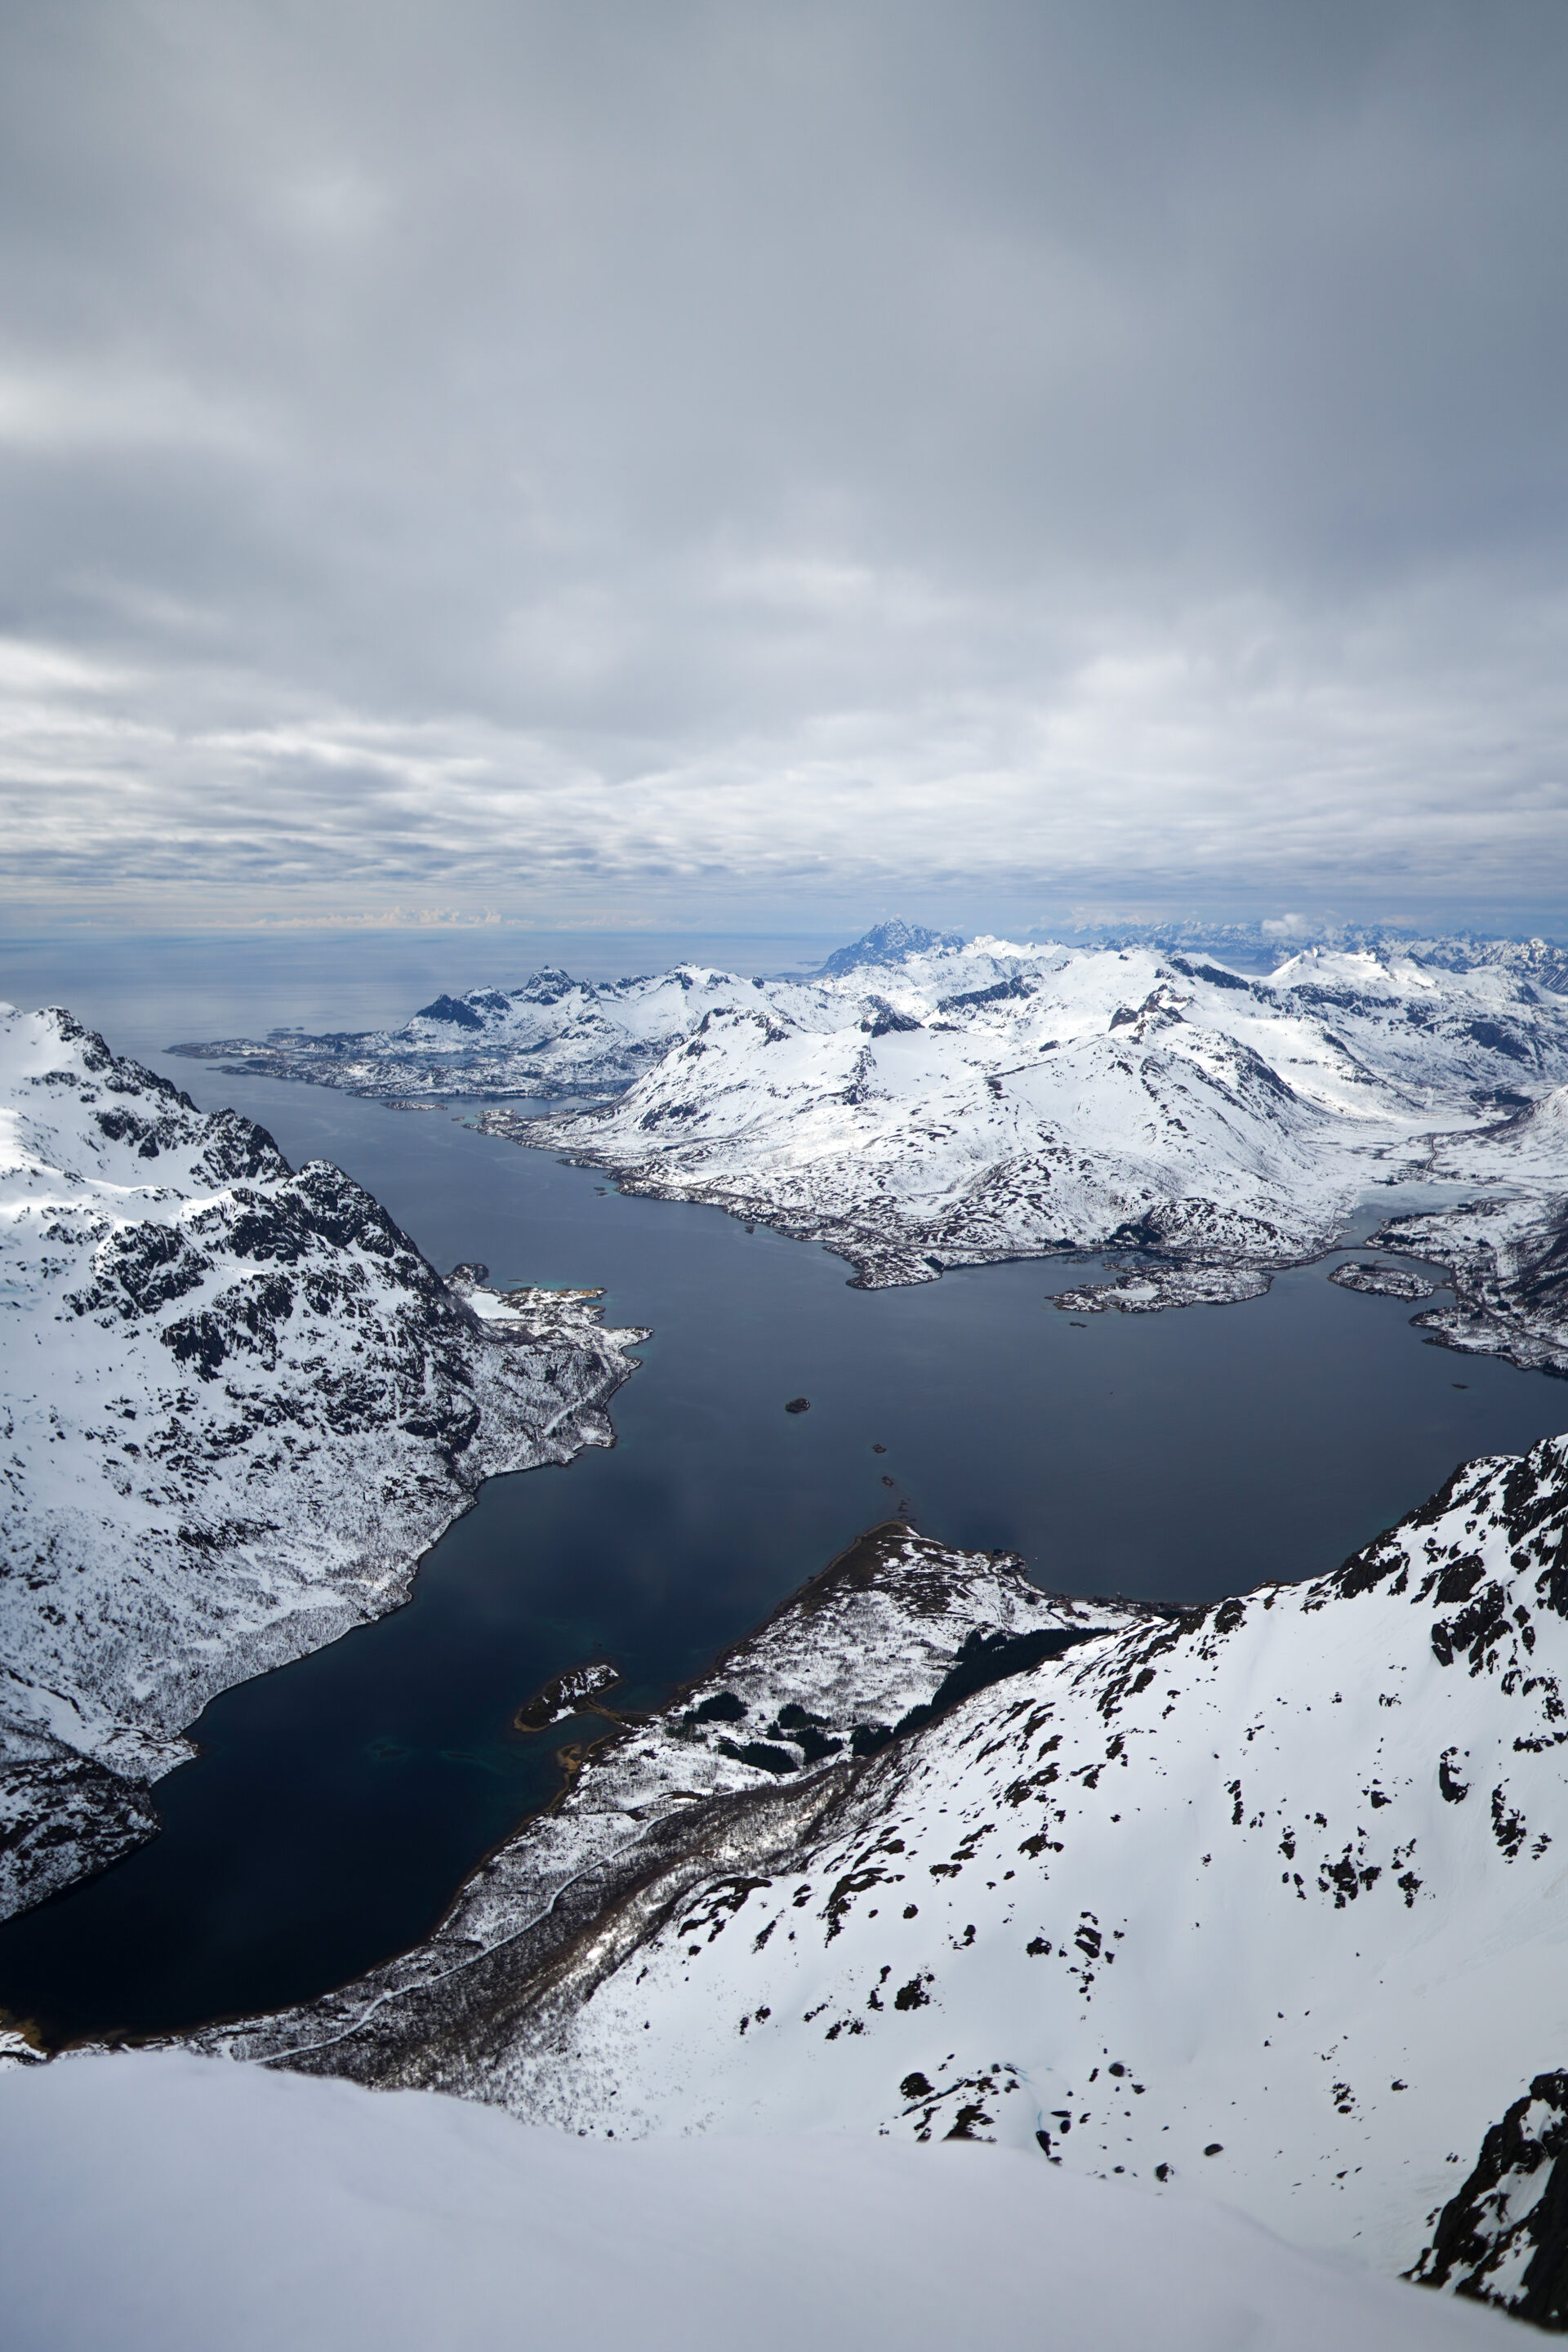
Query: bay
point(338, 1803)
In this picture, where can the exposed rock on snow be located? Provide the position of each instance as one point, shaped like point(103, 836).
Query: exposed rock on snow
point(1508, 1263)
point(890, 942)
point(1265, 1898)
point(1504, 2238)
point(1509, 1252)
point(1382, 1281)
point(922, 1103)
point(161, 2204)
point(1145, 1289)
point(553, 1036)
point(895, 1629)
point(237, 1406)
point(566, 1695)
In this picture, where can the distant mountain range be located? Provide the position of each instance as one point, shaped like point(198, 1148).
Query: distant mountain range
point(1263, 946)
point(924, 1102)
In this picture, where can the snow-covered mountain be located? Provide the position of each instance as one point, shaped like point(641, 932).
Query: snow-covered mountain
point(553, 1036)
point(923, 1103)
point(995, 1102)
point(162, 2204)
point(238, 1405)
point(1265, 1900)
point(1506, 1244)
point(1260, 947)
point(893, 941)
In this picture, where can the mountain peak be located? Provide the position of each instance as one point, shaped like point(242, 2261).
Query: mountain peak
point(887, 942)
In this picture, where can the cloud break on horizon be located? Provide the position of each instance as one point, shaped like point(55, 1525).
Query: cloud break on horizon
point(762, 465)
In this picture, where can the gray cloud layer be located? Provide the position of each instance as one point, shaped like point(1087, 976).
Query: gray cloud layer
point(660, 459)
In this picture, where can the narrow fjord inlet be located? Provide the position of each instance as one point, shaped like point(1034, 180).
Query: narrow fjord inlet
point(339, 1802)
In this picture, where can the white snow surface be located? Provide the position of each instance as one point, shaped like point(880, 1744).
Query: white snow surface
point(1269, 1899)
point(165, 2203)
point(1531, 1144)
point(959, 1103)
point(238, 1405)
point(1287, 1878)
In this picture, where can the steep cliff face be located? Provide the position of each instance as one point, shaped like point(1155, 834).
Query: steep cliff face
point(1265, 1899)
point(1503, 2239)
point(238, 1405)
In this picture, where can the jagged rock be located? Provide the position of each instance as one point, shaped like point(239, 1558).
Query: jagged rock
point(1504, 2238)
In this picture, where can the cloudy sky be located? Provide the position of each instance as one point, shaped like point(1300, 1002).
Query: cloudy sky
point(643, 462)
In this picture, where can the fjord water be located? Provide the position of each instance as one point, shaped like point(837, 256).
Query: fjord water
point(338, 1803)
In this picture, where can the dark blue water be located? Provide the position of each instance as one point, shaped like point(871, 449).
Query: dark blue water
point(338, 1803)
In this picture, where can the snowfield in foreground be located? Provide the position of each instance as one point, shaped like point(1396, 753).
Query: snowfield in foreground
point(235, 1406)
point(923, 1102)
point(1266, 1899)
point(171, 2204)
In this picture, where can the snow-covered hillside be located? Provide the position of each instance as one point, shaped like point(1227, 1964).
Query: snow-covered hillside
point(923, 1103)
point(553, 1036)
point(238, 1405)
point(1506, 1244)
point(1267, 1899)
point(162, 2204)
point(994, 1101)
point(893, 1631)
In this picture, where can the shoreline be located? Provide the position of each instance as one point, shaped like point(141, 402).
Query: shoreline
point(853, 1578)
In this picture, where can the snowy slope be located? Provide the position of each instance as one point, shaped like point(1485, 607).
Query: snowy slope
point(238, 1405)
point(553, 1036)
point(923, 1102)
point(1506, 1244)
point(996, 1101)
point(893, 1625)
point(1268, 1900)
point(1508, 1258)
point(159, 2204)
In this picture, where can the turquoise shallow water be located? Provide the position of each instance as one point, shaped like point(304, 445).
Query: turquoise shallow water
point(338, 1803)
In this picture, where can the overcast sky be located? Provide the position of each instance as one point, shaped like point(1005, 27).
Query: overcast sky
point(625, 461)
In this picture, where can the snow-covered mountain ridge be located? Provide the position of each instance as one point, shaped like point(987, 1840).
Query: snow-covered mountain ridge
point(923, 1103)
point(1266, 1899)
point(238, 1405)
